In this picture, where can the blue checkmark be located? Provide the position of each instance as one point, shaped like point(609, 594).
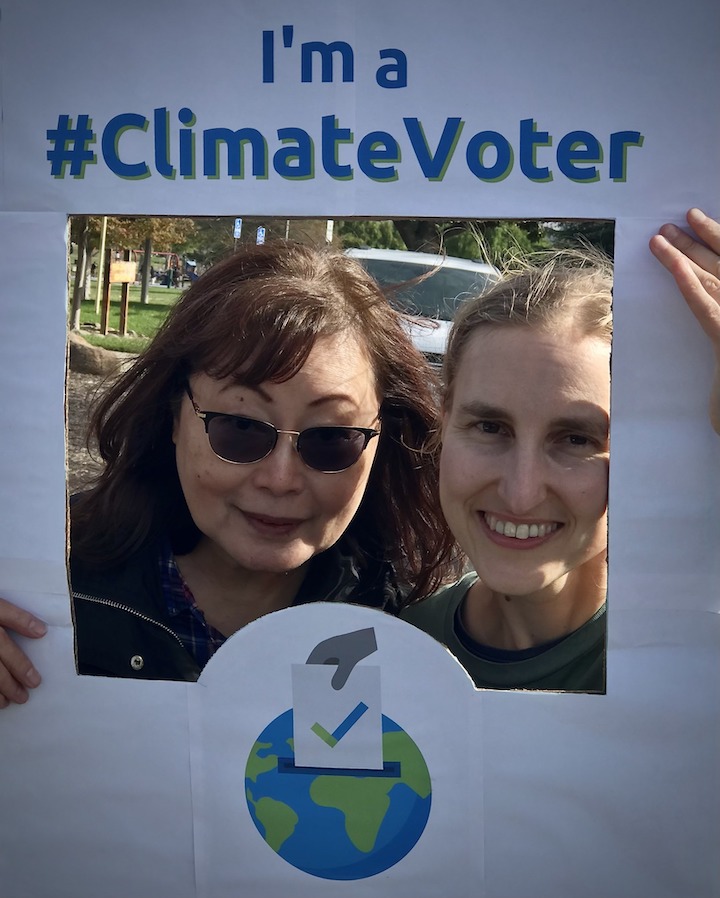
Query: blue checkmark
point(344, 727)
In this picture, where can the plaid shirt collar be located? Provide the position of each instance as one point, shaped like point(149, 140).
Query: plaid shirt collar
point(332, 576)
point(199, 638)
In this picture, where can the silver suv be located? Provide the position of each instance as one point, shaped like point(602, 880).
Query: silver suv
point(434, 300)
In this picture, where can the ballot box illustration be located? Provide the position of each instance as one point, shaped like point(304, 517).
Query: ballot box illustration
point(335, 787)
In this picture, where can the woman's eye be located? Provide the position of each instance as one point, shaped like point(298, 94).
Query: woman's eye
point(488, 426)
point(580, 442)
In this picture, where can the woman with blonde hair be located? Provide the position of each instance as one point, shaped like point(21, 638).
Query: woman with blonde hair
point(523, 479)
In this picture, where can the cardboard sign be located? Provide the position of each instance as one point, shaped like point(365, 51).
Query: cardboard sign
point(490, 110)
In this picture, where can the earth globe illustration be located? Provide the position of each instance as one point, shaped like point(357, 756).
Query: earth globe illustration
point(339, 825)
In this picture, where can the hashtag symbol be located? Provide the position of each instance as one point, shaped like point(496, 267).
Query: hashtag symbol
point(70, 145)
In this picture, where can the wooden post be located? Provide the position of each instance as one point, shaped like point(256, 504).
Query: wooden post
point(105, 321)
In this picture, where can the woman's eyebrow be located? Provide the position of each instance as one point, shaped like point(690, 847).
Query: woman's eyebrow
point(333, 397)
point(482, 410)
point(596, 423)
point(266, 397)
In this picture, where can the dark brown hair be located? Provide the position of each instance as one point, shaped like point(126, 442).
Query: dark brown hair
point(262, 309)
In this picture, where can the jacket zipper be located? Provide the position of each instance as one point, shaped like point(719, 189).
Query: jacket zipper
point(119, 607)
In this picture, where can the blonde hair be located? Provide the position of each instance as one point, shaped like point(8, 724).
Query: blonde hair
point(567, 288)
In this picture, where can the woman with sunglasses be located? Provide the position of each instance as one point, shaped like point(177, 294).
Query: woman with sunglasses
point(262, 452)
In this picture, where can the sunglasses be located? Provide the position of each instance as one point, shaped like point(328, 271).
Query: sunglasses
point(242, 441)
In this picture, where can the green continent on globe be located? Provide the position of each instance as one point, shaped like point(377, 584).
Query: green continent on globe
point(278, 819)
point(257, 765)
point(364, 801)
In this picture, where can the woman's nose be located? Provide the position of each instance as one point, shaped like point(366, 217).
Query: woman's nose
point(283, 470)
point(523, 481)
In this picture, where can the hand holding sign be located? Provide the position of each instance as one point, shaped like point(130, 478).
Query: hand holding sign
point(695, 265)
point(17, 673)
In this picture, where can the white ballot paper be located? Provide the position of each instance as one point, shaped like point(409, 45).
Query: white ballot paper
point(337, 717)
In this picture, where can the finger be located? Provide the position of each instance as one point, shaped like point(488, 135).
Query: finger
point(706, 228)
point(20, 621)
point(11, 691)
point(17, 672)
point(701, 255)
point(701, 291)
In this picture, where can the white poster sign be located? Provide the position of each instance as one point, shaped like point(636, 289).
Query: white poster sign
point(413, 109)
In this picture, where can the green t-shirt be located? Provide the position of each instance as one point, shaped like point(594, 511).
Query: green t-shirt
point(573, 664)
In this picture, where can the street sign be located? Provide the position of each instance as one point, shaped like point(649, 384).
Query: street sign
point(260, 235)
point(237, 230)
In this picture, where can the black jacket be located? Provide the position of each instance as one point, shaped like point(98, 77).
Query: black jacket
point(123, 629)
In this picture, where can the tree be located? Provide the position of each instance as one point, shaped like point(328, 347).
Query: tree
point(597, 233)
point(359, 232)
point(212, 238)
point(491, 240)
point(82, 234)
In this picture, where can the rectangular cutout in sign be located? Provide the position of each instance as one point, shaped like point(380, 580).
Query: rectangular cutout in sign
point(528, 453)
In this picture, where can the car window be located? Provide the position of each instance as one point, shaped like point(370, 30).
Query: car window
point(435, 297)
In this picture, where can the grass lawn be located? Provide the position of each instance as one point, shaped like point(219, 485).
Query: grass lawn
point(142, 323)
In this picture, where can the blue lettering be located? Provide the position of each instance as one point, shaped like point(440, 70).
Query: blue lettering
point(392, 75)
point(332, 135)
point(187, 143)
point(579, 146)
point(236, 142)
point(297, 162)
point(268, 57)
point(112, 133)
point(475, 153)
point(619, 142)
point(161, 122)
point(434, 165)
point(326, 55)
point(530, 140)
point(378, 146)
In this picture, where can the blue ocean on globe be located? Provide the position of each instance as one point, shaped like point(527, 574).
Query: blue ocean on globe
point(337, 826)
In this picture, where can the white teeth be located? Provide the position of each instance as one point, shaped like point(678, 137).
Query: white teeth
point(518, 531)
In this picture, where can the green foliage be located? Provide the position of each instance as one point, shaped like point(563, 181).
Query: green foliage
point(597, 233)
point(490, 241)
point(361, 232)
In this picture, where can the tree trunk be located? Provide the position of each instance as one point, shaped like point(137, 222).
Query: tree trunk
point(420, 235)
point(80, 273)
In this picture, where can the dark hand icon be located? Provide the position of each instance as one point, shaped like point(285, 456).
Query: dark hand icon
point(344, 650)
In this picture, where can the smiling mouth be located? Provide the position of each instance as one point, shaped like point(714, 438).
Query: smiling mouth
point(519, 531)
point(267, 524)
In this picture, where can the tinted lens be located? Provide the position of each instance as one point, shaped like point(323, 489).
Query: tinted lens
point(331, 449)
point(242, 440)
